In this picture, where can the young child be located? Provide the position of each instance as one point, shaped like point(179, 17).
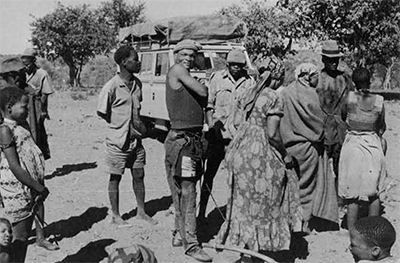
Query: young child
point(22, 168)
point(5, 241)
point(371, 240)
point(361, 166)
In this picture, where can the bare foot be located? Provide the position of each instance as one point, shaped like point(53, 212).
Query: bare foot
point(119, 222)
point(146, 218)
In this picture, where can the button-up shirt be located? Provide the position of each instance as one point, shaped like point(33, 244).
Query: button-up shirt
point(224, 91)
point(122, 104)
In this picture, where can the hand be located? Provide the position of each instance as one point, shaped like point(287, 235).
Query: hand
point(42, 195)
point(289, 161)
point(43, 116)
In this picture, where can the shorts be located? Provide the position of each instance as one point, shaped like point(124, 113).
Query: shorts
point(116, 159)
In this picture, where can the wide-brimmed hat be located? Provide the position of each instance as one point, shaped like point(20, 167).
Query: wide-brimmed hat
point(11, 64)
point(330, 49)
point(29, 52)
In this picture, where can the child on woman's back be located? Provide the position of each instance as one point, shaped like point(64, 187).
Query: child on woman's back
point(371, 240)
point(5, 241)
point(21, 168)
point(362, 166)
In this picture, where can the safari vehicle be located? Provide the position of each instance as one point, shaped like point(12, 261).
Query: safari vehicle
point(155, 44)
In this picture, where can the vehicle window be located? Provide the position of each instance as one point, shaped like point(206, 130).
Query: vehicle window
point(162, 64)
point(147, 61)
point(202, 61)
point(219, 60)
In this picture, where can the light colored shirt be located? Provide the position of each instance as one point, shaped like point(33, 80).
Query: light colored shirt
point(40, 82)
point(224, 91)
point(121, 104)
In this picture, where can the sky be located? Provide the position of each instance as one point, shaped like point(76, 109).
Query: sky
point(15, 15)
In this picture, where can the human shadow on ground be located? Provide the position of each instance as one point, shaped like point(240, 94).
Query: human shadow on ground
point(92, 252)
point(75, 224)
point(152, 207)
point(215, 219)
point(69, 168)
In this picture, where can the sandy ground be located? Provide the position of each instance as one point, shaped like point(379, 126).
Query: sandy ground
point(77, 208)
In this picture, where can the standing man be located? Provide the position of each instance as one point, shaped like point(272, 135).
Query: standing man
point(333, 87)
point(119, 106)
point(186, 98)
point(225, 87)
point(40, 88)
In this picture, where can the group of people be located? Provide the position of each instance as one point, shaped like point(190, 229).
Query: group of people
point(23, 151)
point(293, 154)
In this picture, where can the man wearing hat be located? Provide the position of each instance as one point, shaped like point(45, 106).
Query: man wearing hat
point(186, 99)
point(333, 87)
point(39, 81)
point(225, 87)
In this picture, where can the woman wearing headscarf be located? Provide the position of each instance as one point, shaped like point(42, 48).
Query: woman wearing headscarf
point(302, 132)
point(263, 205)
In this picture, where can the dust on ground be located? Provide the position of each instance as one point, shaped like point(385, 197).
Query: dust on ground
point(77, 208)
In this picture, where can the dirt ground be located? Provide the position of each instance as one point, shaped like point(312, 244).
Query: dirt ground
point(77, 208)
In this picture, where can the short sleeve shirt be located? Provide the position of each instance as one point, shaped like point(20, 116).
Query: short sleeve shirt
point(224, 91)
point(121, 104)
point(40, 81)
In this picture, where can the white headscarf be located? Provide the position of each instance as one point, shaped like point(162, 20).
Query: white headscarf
point(304, 71)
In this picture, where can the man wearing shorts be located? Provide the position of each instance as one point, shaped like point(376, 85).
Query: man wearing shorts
point(119, 106)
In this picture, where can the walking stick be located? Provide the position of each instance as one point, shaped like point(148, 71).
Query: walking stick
point(241, 250)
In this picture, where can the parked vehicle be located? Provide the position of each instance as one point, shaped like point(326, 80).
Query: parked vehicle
point(155, 44)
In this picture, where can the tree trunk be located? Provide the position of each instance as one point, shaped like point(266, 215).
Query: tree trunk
point(386, 83)
point(72, 75)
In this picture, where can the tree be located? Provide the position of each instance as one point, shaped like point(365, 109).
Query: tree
point(74, 33)
point(369, 30)
point(120, 14)
point(271, 29)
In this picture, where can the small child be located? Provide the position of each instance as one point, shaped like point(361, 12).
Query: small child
point(5, 241)
point(22, 168)
point(371, 240)
point(362, 166)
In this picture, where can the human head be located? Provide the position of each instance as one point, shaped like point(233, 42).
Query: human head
point(307, 74)
point(361, 78)
point(12, 71)
point(185, 52)
point(236, 62)
point(127, 59)
point(372, 238)
point(6, 235)
point(29, 58)
point(14, 103)
point(331, 55)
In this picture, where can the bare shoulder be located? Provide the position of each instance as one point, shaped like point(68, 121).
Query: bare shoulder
point(5, 134)
point(177, 71)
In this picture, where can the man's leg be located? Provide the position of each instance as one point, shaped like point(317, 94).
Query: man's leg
point(188, 210)
point(113, 194)
point(352, 213)
point(139, 190)
point(374, 206)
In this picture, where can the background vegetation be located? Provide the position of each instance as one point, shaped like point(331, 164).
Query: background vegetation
point(75, 42)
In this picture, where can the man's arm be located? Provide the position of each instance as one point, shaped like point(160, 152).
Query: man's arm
point(182, 75)
point(104, 105)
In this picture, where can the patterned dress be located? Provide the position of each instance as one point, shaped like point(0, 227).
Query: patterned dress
point(17, 198)
point(264, 203)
